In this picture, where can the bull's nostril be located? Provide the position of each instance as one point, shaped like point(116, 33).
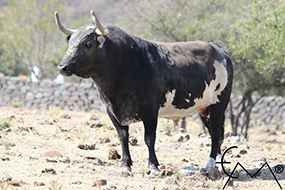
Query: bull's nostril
point(64, 68)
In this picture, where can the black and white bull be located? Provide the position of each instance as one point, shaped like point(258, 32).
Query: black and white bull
point(141, 80)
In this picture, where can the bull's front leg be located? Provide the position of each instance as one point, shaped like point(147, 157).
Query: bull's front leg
point(123, 133)
point(150, 125)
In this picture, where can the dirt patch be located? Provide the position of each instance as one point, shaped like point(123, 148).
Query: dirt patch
point(32, 132)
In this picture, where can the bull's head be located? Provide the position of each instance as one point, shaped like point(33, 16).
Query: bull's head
point(83, 47)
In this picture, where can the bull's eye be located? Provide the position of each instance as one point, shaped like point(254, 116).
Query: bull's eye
point(88, 44)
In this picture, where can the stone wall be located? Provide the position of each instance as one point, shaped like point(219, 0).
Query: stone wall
point(70, 96)
point(47, 94)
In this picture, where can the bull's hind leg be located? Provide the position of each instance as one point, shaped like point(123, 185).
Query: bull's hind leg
point(204, 115)
point(123, 132)
point(217, 118)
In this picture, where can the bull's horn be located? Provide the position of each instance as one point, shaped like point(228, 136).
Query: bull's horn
point(61, 27)
point(101, 28)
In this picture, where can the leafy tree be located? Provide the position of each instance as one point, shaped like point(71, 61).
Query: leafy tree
point(28, 36)
point(258, 48)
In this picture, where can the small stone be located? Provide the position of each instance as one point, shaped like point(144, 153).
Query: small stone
point(214, 174)
point(113, 154)
point(51, 160)
point(180, 139)
point(105, 140)
point(94, 117)
point(253, 172)
point(162, 167)
point(6, 178)
point(242, 152)
point(5, 159)
point(12, 117)
point(49, 171)
point(76, 182)
point(99, 183)
point(204, 171)
point(98, 162)
point(87, 146)
point(165, 173)
point(65, 160)
point(8, 130)
point(15, 183)
point(230, 183)
point(185, 160)
point(65, 116)
point(52, 153)
point(187, 137)
point(39, 184)
point(170, 181)
point(133, 141)
point(96, 124)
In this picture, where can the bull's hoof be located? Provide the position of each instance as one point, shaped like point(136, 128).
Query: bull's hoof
point(153, 172)
point(126, 171)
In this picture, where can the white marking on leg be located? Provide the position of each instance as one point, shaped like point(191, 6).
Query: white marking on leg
point(211, 163)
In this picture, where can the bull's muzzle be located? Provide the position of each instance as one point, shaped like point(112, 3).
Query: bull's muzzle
point(64, 70)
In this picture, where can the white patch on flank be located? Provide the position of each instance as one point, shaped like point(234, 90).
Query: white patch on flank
point(210, 96)
point(211, 163)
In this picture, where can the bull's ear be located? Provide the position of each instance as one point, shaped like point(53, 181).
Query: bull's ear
point(67, 39)
point(101, 41)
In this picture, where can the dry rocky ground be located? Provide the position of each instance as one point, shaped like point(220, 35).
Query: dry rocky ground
point(56, 149)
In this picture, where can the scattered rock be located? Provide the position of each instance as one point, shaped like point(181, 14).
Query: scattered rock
point(113, 154)
point(39, 183)
point(52, 122)
point(8, 130)
point(96, 124)
point(12, 117)
point(162, 167)
point(5, 159)
point(253, 172)
point(214, 174)
point(49, 171)
point(65, 160)
point(98, 162)
point(204, 171)
point(76, 182)
point(242, 152)
point(6, 177)
point(87, 146)
point(170, 181)
point(52, 153)
point(51, 160)
point(165, 173)
point(185, 160)
point(15, 183)
point(64, 115)
point(259, 162)
point(105, 140)
point(187, 137)
point(133, 141)
point(201, 185)
point(180, 139)
point(94, 117)
point(230, 183)
point(99, 183)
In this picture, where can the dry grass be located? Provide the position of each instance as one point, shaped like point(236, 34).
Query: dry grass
point(33, 131)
